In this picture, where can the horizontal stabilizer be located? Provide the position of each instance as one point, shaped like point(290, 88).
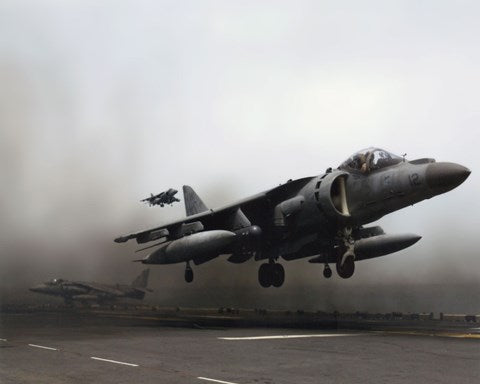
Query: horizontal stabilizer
point(141, 280)
point(144, 290)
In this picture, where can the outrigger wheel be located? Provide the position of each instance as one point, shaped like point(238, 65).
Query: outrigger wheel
point(327, 272)
point(188, 273)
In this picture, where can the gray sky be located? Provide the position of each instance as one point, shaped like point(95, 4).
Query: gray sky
point(104, 102)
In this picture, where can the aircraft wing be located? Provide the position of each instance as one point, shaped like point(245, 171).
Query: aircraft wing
point(208, 218)
point(105, 289)
point(255, 208)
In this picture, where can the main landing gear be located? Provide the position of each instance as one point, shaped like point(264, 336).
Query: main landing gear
point(188, 273)
point(271, 274)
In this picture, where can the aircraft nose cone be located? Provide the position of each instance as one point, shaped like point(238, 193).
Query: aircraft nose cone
point(446, 176)
point(37, 288)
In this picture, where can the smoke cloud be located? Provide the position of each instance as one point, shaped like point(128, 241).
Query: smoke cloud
point(102, 104)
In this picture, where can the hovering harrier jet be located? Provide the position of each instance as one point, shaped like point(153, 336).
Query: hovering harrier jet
point(321, 217)
point(167, 197)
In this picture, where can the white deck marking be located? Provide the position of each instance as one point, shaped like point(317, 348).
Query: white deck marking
point(215, 381)
point(114, 361)
point(43, 347)
point(3, 339)
point(289, 336)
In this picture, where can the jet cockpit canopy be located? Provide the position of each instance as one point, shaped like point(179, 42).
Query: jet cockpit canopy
point(55, 281)
point(370, 159)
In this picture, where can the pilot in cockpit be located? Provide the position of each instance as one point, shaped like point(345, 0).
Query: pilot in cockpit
point(371, 159)
point(362, 162)
point(366, 162)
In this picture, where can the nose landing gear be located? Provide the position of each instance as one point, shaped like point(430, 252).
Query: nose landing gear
point(346, 261)
point(346, 265)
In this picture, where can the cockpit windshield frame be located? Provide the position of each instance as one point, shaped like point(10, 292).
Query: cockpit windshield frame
point(370, 160)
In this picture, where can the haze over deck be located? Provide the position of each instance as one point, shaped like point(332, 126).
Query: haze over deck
point(102, 104)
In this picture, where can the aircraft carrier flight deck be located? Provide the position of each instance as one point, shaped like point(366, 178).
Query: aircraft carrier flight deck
point(147, 344)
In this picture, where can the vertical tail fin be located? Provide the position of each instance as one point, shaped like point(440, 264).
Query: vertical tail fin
point(141, 280)
point(193, 203)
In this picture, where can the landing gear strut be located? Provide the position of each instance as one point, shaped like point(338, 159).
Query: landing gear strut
point(188, 273)
point(271, 274)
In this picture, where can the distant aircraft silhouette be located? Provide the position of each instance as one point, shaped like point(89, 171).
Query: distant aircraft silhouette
point(167, 197)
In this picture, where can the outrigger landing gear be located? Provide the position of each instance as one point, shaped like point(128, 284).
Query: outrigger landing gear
point(188, 273)
point(327, 272)
point(271, 273)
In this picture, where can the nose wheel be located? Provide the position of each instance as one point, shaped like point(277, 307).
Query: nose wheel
point(271, 274)
point(188, 273)
point(346, 260)
point(346, 265)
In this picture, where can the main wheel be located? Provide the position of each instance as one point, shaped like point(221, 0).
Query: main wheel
point(346, 270)
point(278, 274)
point(264, 275)
point(188, 275)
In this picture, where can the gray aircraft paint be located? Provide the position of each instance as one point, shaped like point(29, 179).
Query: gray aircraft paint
point(94, 292)
point(162, 198)
point(322, 217)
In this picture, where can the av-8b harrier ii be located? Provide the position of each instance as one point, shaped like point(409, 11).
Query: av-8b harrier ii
point(166, 197)
point(84, 292)
point(320, 217)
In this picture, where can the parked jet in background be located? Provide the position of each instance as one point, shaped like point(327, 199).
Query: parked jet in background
point(167, 197)
point(321, 217)
point(94, 292)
